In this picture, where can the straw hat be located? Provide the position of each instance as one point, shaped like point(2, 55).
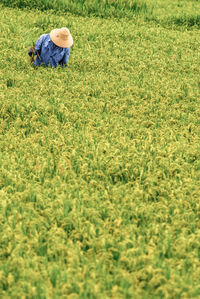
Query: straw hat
point(61, 37)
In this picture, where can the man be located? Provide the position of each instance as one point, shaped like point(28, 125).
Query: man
point(52, 49)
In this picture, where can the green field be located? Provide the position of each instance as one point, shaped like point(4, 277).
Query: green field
point(100, 162)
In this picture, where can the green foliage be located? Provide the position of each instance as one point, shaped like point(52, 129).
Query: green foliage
point(176, 13)
point(167, 13)
point(100, 162)
point(102, 8)
point(188, 21)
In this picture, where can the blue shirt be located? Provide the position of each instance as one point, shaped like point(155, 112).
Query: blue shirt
point(48, 53)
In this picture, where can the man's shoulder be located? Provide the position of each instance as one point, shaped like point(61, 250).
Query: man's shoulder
point(45, 36)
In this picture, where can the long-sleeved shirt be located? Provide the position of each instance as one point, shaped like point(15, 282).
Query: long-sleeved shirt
point(48, 53)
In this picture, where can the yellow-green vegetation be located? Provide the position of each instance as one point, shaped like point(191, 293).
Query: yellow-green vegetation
point(101, 8)
point(100, 162)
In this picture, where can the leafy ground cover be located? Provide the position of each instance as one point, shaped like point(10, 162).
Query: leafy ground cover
point(100, 162)
point(168, 13)
point(100, 8)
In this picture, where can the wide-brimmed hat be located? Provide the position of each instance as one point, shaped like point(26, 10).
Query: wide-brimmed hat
point(61, 37)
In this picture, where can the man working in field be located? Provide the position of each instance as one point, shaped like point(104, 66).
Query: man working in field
point(52, 49)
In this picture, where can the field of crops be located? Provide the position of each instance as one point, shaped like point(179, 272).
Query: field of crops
point(100, 162)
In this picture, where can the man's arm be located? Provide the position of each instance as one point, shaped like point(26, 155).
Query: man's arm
point(35, 49)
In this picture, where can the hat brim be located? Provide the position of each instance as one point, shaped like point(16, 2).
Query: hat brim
point(59, 42)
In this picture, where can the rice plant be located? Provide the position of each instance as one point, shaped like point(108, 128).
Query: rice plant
point(99, 162)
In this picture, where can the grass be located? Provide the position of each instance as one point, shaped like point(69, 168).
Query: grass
point(178, 13)
point(100, 8)
point(167, 13)
point(100, 163)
